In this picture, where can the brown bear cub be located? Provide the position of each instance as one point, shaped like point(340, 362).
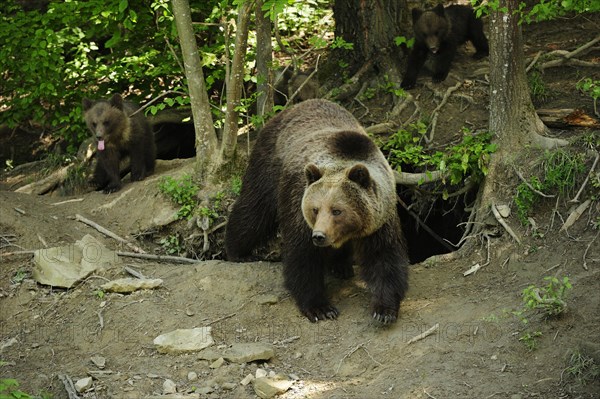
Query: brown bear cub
point(119, 134)
point(439, 32)
point(316, 175)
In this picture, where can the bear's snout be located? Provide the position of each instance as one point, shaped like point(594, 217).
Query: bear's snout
point(319, 239)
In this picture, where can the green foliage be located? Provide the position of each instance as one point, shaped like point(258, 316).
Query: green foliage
point(236, 185)
point(537, 87)
point(583, 368)
point(541, 10)
point(182, 191)
point(470, 157)
point(171, 244)
point(9, 389)
point(561, 170)
point(402, 40)
point(549, 299)
point(529, 339)
point(591, 88)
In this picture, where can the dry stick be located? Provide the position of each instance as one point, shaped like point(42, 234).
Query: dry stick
point(569, 55)
point(308, 78)
point(587, 249)
point(587, 178)
point(351, 351)
point(166, 258)
point(535, 59)
point(501, 220)
point(530, 186)
point(437, 109)
point(424, 226)
point(67, 201)
point(109, 233)
point(69, 387)
point(393, 116)
point(425, 334)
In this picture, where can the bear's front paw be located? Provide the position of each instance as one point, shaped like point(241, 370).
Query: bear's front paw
point(111, 188)
point(439, 77)
point(408, 83)
point(385, 315)
point(323, 312)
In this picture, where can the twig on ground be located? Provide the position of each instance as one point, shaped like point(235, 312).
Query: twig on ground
point(221, 319)
point(535, 59)
point(425, 334)
point(435, 113)
point(587, 249)
point(109, 233)
point(67, 201)
point(530, 186)
point(351, 351)
point(587, 178)
point(502, 222)
point(69, 386)
point(424, 226)
point(575, 215)
point(567, 57)
point(160, 258)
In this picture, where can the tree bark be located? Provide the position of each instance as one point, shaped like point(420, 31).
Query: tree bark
point(264, 58)
point(372, 26)
point(234, 82)
point(207, 155)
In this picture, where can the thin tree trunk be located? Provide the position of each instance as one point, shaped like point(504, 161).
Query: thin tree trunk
point(207, 155)
point(235, 81)
point(264, 58)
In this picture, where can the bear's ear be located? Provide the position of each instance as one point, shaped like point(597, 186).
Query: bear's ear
point(360, 174)
point(87, 104)
point(116, 101)
point(416, 13)
point(439, 9)
point(312, 173)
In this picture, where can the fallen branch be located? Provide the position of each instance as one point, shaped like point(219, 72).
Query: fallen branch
point(575, 215)
point(425, 334)
point(587, 249)
point(502, 222)
point(424, 226)
point(413, 179)
point(587, 178)
point(530, 186)
point(346, 90)
point(108, 233)
point(436, 111)
point(69, 387)
point(160, 258)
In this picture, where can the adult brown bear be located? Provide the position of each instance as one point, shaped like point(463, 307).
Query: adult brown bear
point(438, 33)
point(119, 133)
point(316, 175)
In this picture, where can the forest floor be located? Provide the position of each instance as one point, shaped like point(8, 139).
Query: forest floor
point(475, 352)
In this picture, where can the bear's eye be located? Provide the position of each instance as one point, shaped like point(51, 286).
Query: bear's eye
point(315, 211)
point(336, 212)
point(94, 124)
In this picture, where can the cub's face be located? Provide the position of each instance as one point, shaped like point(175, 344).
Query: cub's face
point(334, 205)
point(105, 119)
point(431, 27)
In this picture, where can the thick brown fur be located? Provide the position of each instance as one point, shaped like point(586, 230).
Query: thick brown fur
point(316, 175)
point(438, 33)
point(123, 135)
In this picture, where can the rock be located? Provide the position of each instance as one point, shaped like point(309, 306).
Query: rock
point(127, 285)
point(7, 343)
point(64, 266)
point(83, 384)
point(248, 352)
point(261, 373)
point(503, 210)
point(99, 361)
point(184, 340)
point(169, 387)
point(267, 388)
point(209, 354)
point(192, 376)
point(229, 386)
point(267, 299)
point(247, 380)
point(217, 363)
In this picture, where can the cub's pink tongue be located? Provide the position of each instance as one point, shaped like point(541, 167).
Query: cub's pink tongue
point(100, 145)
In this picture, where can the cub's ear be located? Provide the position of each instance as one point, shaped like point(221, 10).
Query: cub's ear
point(439, 9)
point(87, 104)
point(416, 13)
point(312, 173)
point(116, 101)
point(360, 174)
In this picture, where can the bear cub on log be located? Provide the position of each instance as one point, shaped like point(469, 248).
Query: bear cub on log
point(119, 134)
point(315, 174)
point(439, 32)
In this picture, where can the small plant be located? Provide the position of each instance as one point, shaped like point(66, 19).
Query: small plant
point(100, 294)
point(537, 87)
point(583, 368)
point(526, 198)
point(591, 88)
point(19, 276)
point(236, 185)
point(550, 299)
point(529, 339)
point(171, 244)
point(9, 389)
point(181, 191)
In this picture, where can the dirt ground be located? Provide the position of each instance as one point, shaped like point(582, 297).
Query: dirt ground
point(474, 353)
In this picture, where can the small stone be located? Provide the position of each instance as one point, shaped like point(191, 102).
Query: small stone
point(297, 355)
point(247, 380)
point(503, 210)
point(99, 361)
point(192, 376)
point(83, 384)
point(229, 386)
point(127, 285)
point(205, 390)
point(272, 374)
point(267, 299)
point(494, 357)
point(169, 387)
point(267, 388)
point(183, 340)
point(248, 352)
point(217, 363)
point(261, 373)
point(294, 377)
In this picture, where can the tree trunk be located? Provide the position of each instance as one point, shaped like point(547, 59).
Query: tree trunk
point(372, 26)
point(264, 58)
point(513, 119)
point(234, 82)
point(207, 155)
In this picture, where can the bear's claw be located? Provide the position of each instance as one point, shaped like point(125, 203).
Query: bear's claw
point(385, 315)
point(321, 313)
